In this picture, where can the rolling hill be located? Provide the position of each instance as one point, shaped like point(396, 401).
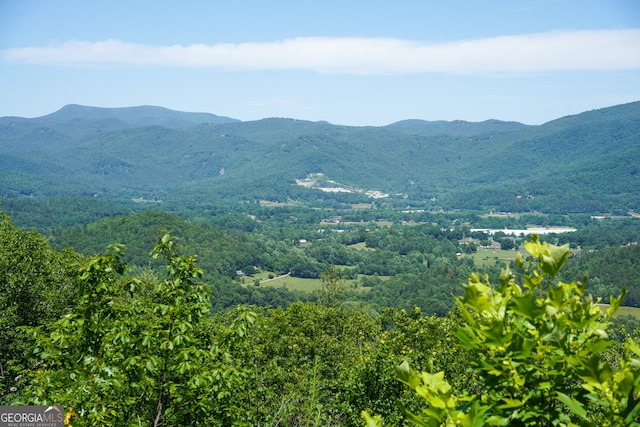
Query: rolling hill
point(583, 163)
point(132, 116)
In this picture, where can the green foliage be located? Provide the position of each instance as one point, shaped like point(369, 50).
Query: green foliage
point(129, 355)
point(542, 355)
point(37, 285)
point(221, 251)
point(610, 269)
point(316, 365)
point(333, 286)
point(431, 291)
point(421, 257)
point(139, 347)
point(427, 342)
point(51, 215)
point(605, 233)
point(297, 361)
point(176, 161)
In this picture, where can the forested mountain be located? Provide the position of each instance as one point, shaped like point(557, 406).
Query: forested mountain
point(456, 127)
point(164, 290)
point(132, 116)
point(582, 163)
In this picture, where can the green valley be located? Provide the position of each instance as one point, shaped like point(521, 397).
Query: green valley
point(169, 268)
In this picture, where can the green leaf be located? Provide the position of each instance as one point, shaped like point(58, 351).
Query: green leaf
point(407, 376)
point(554, 258)
point(632, 346)
point(496, 336)
point(511, 403)
point(574, 405)
point(375, 421)
point(525, 305)
point(614, 303)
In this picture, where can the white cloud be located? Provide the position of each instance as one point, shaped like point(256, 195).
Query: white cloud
point(551, 51)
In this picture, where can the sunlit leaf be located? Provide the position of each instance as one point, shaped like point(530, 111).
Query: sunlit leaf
point(575, 406)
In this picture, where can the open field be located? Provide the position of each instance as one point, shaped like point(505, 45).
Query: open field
point(511, 214)
point(376, 223)
point(267, 203)
point(362, 246)
point(261, 276)
point(632, 311)
point(303, 285)
point(293, 283)
point(526, 232)
point(491, 256)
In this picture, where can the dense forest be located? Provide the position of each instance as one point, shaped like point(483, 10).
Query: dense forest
point(175, 159)
point(161, 268)
point(147, 317)
point(388, 258)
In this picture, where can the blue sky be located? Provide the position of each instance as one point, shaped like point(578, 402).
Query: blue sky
point(347, 62)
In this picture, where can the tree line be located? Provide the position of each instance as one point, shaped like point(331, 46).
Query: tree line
point(118, 345)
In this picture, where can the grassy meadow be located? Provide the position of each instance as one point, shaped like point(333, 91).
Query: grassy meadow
point(623, 311)
point(293, 283)
point(487, 257)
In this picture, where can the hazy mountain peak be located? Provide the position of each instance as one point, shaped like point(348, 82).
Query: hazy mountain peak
point(146, 115)
point(455, 127)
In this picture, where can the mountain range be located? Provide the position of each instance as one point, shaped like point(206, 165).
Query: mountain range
point(589, 162)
